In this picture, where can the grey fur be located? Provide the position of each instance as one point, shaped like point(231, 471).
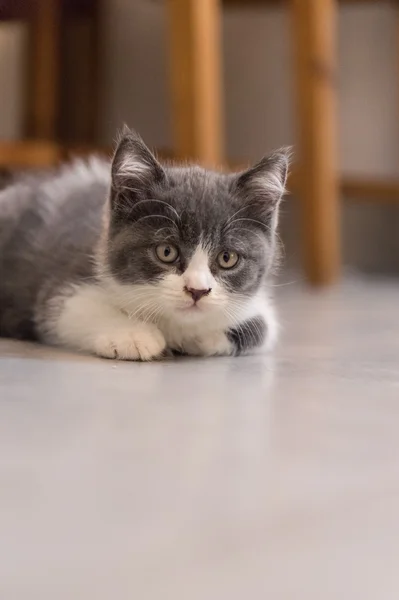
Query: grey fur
point(250, 334)
point(90, 219)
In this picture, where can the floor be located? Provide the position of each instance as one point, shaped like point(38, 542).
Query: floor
point(258, 477)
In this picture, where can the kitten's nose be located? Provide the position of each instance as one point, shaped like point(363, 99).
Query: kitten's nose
point(197, 294)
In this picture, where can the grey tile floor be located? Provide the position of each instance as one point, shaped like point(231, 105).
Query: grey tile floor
point(258, 477)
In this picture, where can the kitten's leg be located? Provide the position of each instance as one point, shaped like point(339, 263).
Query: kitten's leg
point(86, 321)
point(248, 336)
point(214, 343)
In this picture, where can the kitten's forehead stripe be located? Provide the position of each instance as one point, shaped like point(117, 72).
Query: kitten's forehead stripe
point(200, 259)
point(198, 275)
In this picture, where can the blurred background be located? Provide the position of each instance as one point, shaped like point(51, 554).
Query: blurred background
point(223, 83)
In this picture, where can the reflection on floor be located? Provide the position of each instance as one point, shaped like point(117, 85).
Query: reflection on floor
point(258, 477)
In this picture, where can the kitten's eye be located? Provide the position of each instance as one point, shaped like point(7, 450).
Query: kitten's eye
point(167, 253)
point(228, 260)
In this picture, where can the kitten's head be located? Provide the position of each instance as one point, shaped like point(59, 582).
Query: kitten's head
point(186, 243)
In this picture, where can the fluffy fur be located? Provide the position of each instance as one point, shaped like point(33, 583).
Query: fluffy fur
point(80, 265)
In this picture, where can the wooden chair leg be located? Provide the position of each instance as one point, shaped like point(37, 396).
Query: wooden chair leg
point(95, 87)
point(314, 37)
point(79, 106)
point(44, 68)
point(196, 80)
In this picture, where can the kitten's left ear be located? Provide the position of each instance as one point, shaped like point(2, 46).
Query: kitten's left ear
point(263, 185)
point(134, 168)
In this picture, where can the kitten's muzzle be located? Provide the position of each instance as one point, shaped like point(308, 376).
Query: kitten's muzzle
point(197, 294)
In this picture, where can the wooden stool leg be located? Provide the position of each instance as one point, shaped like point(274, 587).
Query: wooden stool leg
point(314, 36)
point(195, 61)
point(44, 67)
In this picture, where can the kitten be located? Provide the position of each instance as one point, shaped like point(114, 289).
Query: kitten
point(131, 259)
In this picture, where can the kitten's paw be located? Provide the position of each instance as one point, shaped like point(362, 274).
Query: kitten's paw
point(138, 341)
point(212, 344)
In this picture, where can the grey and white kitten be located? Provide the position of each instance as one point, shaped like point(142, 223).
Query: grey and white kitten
point(131, 259)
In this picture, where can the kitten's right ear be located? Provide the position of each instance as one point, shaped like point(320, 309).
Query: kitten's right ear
point(265, 182)
point(134, 169)
point(262, 186)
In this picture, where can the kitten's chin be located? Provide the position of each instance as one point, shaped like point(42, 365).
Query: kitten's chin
point(194, 312)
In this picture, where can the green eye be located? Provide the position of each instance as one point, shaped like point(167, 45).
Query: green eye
point(227, 260)
point(167, 253)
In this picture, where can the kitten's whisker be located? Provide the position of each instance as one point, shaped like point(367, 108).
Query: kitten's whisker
point(132, 305)
point(245, 207)
point(142, 308)
point(133, 295)
point(157, 315)
point(258, 331)
point(232, 314)
point(171, 234)
point(156, 216)
point(140, 314)
point(159, 202)
point(136, 204)
point(274, 285)
point(238, 303)
point(251, 220)
point(154, 311)
point(239, 326)
point(241, 330)
point(263, 240)
point(149, 311)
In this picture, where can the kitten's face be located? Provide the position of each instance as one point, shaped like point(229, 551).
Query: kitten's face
point(189, 244)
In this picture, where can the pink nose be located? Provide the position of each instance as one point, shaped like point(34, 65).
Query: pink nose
point(197, 294)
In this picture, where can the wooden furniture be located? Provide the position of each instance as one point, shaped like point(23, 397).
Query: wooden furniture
point(196, 79)
point(313, 48)
point(195, 57)
point(50, 22)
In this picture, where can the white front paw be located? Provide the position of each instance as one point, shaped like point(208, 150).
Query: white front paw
point(138, 341)
point(211, 344)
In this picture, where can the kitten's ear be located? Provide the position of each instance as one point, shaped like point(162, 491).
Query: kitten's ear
point(134, 168)
point(263, 185)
